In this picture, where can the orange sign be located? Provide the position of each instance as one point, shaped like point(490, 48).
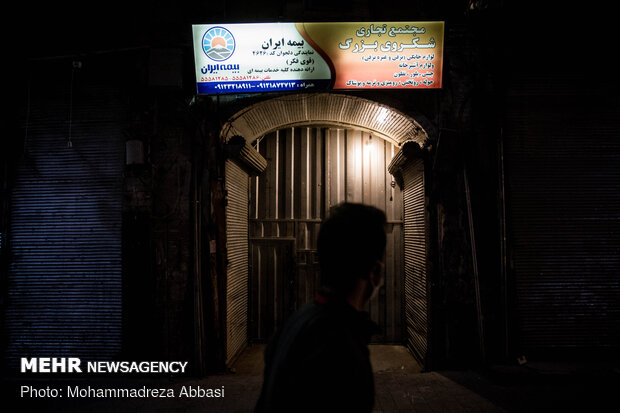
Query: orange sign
point(379, 55)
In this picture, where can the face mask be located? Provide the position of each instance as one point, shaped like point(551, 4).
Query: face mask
point(376, 287)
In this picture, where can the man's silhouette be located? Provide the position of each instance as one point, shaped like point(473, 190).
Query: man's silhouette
point(319, 361)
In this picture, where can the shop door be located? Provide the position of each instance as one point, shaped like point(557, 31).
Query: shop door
point(309, 170)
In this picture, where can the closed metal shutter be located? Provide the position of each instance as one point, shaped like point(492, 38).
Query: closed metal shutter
point(237, 250)
point(64, 280)
point(562, 175)
point(310, 169)
point(416, 314)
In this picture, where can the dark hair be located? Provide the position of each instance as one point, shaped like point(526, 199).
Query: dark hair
point(350, 242)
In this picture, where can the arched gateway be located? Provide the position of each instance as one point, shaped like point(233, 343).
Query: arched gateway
point(319, 150)
point(328, 109)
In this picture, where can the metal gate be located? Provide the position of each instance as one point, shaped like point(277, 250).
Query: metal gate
point(309, 170)
point(237, 251)
point(416, 311)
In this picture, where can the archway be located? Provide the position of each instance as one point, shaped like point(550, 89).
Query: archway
point(320, 148)
point(327, 109)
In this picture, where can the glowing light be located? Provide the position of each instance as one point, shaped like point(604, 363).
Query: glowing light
point(369, 147)
point(382, 116)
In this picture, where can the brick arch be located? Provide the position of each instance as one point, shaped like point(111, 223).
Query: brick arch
point(328, 109)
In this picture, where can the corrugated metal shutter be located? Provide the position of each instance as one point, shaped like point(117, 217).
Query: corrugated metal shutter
point(416, 314)
point(311, 169)
point(562, 170)
point(237, 250)
point(64, 280)
point(274, 281)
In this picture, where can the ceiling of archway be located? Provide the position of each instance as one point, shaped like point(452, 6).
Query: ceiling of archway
point(328, 109)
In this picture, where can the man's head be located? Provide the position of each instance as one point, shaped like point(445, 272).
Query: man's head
point(351, 245)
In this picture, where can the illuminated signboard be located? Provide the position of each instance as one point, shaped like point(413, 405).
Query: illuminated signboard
point(242, 58)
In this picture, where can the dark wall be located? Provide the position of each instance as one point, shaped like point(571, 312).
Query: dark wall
point(157, 229)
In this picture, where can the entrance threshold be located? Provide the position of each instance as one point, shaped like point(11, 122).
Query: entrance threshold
point(384, 358)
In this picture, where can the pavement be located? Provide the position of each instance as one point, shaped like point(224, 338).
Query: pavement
point(400, 385)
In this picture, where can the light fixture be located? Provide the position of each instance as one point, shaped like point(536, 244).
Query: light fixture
point(382, 116)
point(368, 145)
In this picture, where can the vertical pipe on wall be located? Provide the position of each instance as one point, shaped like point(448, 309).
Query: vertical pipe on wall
point(475, 268)
point(504, 259)
point(199, 368)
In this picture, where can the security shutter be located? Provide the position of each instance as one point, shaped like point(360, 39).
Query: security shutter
point(64, 280)
point(562, 175)
point(237, 250)
point(311, 169)
point(416, 314)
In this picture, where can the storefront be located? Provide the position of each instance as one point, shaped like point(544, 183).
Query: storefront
point(318, 147)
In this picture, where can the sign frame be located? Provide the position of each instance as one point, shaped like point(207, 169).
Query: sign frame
point(265, 57)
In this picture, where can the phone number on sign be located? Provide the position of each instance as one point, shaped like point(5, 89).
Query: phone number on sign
point(228, 78)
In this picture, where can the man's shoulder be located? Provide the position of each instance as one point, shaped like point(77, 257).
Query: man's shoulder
point(313, 319)
point(309, 316)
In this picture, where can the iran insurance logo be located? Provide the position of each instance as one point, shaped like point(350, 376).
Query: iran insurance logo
point(218, 43)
